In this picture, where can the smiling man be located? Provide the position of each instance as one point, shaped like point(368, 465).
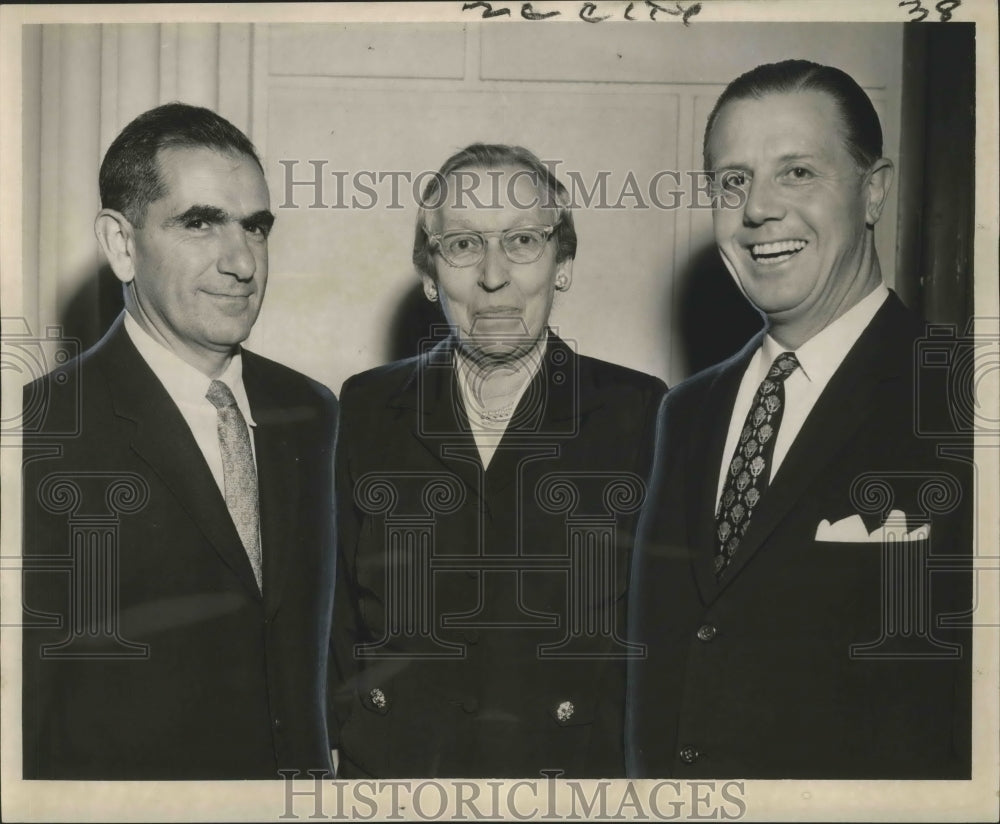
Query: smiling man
point(781, 584)
point(191, 503)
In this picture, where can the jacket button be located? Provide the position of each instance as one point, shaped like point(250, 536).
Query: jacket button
point(378, 699)
point(689, 755)
point(472, 636)
point(706, 632)
point(277, 723)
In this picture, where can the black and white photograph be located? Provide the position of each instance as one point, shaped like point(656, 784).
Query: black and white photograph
point(484, 411)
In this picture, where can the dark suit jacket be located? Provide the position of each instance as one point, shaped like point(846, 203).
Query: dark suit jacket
point(479, 616)
point(177, 668)
point(777, 671)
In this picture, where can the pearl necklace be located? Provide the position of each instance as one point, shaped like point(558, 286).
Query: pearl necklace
point(500, 415)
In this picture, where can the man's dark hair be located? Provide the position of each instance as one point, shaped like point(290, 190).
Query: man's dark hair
point(862, 131)
point(553, 195)
point(130, 175)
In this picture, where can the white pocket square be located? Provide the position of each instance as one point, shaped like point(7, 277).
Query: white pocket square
point(852, 530)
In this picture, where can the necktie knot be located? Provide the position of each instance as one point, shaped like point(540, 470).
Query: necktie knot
point(783, 366)
point(220, 395)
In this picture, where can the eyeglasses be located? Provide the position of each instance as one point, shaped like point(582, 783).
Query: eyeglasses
point(466, 247)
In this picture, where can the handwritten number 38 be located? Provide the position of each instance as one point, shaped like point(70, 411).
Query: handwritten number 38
point(944, 8)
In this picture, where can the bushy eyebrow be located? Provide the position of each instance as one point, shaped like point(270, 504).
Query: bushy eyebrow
point(263, 220)
point(215, 216)
point(795, 157)
point(212, 215)
point(791, 157)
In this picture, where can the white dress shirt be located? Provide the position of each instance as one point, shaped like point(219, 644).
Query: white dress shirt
point(819, 357)
point(187, 388)
point(488, 432)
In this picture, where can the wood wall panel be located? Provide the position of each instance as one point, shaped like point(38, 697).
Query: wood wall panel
point(618, 99)
point(621, 52)
point(386, 50)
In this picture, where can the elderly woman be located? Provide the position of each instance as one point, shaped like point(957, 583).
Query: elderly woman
point(487, 497)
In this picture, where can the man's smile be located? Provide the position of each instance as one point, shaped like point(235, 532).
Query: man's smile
point(777, 251)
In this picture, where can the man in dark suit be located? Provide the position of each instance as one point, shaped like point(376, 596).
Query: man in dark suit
point(178, 569)
point(488, 491)
point(797, 582)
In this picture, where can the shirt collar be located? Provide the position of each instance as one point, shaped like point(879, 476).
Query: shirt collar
point(821, 355)
point(533, 360)
point(186, 385)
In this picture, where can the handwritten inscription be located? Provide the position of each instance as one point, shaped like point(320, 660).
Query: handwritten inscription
point(489, 11)
point(594, 12)
point(528, 13)
point(919, 13)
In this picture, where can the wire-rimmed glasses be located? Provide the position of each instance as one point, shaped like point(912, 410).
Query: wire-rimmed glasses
point(467, 247)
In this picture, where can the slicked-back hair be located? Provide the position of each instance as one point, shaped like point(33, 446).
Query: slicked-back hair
point(130, 174)
point(862, 131)
point(491, 156)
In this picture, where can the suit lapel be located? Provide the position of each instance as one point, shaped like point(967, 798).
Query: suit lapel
point(277, 479)
point(844, 405)
point(706, 460)
point(430, 404)
point(164, 441)
point(548, 414)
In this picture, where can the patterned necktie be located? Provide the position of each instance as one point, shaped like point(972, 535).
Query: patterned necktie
point(750, 469)
point(239, 472)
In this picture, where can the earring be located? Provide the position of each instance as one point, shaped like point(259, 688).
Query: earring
point(561, 283)
point(432, 294)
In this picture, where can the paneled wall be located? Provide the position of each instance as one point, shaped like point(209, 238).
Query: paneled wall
point(621, 101)
point(82, 84)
